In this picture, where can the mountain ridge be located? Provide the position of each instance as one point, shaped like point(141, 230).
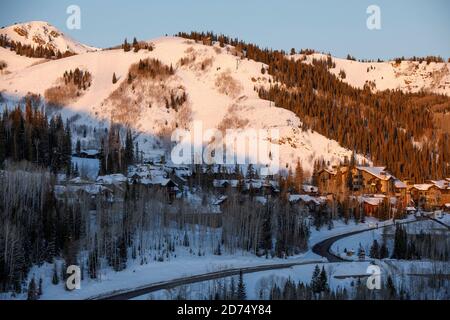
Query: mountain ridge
point(221, 86)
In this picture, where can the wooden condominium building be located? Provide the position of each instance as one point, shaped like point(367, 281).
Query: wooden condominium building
point(432, 195)
point(364, 180)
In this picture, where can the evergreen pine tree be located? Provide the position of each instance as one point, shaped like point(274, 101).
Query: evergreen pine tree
point(315, 280)
point(40, 287)
point(298, 184)
point(32, 290)
point(375, 250)
point(55, 278)
point(384, 252)
point(126, 46)
point(400, 243)
point(241, 292)
point(323, 280)
point(78, 148)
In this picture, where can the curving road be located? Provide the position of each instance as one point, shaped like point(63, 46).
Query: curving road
point(322, 249)
point(126, 295)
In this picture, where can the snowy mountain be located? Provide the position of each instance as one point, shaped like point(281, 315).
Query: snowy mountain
point(219, 90)
point(42, 33)
point(408, 76)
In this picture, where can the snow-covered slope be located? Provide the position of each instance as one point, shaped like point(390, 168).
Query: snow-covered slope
point(15, 62)
point(36, 33)
point(219, 87)
point(409, 76)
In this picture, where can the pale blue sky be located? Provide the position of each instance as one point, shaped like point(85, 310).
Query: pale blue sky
point(409, 27)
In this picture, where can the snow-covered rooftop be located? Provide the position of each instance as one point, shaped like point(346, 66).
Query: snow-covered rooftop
point(400, 184)
point(373, 201)
point(116, 178)
point(441, 184)
point(379, 172)
point(423, 186)
point(305, 198)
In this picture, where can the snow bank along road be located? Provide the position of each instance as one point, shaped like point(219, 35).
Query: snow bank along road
point(125, 295)
point(321, 248)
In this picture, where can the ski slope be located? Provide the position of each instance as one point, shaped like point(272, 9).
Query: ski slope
point(408, 76)
point(209, 103)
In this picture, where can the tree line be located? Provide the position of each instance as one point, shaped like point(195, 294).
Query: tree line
point(30, 51)
point(29, 135)
point(116, 156)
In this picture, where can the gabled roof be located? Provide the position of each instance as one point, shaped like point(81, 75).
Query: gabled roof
point(305, 198)
point(441, 184)
point(217, 183)
point(159, 181)
point(423, 186)
point(378, 172)
point(373, 201)
point(327, 170)
point(400, 184)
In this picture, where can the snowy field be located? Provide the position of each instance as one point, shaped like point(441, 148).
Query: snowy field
point(340, 275)
point(184, 263)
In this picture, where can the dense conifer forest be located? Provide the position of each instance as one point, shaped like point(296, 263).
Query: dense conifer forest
point(385, 126)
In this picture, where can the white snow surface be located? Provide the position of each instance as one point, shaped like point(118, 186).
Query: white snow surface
point(408, 76)
point(36, 33)
point(185, 264)
point(241, 108)
point(15, 62)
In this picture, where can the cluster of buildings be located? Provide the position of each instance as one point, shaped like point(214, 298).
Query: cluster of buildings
point(113, 186)
point(375, 187)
